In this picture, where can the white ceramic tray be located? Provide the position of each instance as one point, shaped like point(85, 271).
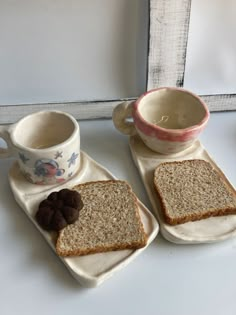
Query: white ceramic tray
point(89, 270)
point(203, 231)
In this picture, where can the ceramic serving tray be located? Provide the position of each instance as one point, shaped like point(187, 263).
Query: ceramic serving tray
point(204, 231)
point(89, 270)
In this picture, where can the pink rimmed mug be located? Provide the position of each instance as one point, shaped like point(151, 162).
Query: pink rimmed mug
point(46, 145)
point(167, 119)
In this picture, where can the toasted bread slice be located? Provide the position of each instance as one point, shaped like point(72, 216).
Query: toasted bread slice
point(192, 190)
point(108, 221)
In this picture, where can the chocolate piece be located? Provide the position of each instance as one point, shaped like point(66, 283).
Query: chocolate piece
point(58, 222)
point(59, 209)
point(53, 196)
point(45, 203)
point(70, 214)
point(57, 204)
point(63, 193)
point(73, 199)
point(44, 217)
point(81, 204)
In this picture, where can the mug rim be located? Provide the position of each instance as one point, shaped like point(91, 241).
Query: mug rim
point(137, 114)
point(54, 147)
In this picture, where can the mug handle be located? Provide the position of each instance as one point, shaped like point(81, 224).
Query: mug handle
point(4, 134)
point(120, 116)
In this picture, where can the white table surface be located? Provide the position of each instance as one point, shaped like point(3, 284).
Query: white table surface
point(165, 279)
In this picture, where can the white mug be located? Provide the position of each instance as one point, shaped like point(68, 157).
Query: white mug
point(46, 145)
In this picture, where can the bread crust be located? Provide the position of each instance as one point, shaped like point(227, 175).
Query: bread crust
point(211, 212)
point(114, 247)
point(99, 249)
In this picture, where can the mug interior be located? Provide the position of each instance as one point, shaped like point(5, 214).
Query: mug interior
point(43, 130)
point(172, 109)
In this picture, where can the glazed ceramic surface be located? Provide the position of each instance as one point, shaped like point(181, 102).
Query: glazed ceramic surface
point(46, 144)
point(168, 120)
point(90, 270)
point(203, 231)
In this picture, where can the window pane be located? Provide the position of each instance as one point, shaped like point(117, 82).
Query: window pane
point(56, 51)
point(211, 63)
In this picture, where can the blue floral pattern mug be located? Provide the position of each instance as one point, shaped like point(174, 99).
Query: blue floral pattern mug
point(46, 144)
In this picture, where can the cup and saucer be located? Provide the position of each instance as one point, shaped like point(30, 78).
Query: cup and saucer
point(163, 125)
point(46, 148)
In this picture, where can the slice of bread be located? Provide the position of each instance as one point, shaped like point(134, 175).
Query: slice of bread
point(108, 221)
point(192, 190)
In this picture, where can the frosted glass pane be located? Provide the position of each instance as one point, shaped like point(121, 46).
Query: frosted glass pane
point(56, 51)
point(211, 63)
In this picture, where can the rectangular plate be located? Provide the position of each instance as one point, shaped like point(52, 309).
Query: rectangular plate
point(203, 231)
point(89, 270)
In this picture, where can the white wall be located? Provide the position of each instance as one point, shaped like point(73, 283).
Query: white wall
point(72, 50)
point(211, 63)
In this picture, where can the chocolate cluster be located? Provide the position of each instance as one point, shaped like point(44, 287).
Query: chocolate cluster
point(59, 209)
